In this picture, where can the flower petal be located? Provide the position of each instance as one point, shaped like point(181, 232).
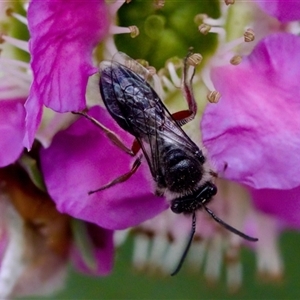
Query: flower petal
point(254, 129)
point(81, 159)
point(63, 36)
point(283, 10)
point(12, 127)
point(102, 240)
point(284, 204)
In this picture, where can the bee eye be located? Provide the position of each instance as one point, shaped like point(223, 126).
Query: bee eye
point(200, 156)
point(176, 207)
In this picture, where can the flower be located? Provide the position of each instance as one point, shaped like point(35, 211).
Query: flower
point(88, 160)
point(284, 11)
point(258, 114)
point(12, 129)
point(74, 157)
point(56, 46)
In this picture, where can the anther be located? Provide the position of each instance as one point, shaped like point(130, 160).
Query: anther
point(134, 31)
point(249, 35)
point(213, 97)
point(229, 2)
point(10, 13)
point(200, 18)
point(152, 70)
point(204, 28)
point(194, 59)
point(236, 60)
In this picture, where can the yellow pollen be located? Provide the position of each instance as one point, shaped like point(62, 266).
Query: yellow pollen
point(249, 35)
point(204, 28)
point(134, 31)
point(213, 97)
point(236, 60)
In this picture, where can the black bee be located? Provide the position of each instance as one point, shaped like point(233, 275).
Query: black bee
point(178, 167)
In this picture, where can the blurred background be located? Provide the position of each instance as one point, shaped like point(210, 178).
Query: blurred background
point(126, 283)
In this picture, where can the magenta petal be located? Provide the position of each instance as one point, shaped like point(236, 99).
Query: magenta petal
point(283, 204)
point(12, 128)
point(81, 159)
point(254, 129)
point(102, 240)
point(63, 35)
point(283, 10)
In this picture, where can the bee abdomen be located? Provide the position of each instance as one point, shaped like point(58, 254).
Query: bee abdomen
point(182, 172)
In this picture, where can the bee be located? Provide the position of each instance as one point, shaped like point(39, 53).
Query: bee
point(178, 166)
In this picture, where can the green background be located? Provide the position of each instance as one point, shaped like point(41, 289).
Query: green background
point(125, 283)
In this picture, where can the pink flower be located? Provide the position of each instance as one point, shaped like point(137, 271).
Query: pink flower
point(283, 10)
point(87, 160)
point(63, 35)
point(12, 128)
point(254, 129)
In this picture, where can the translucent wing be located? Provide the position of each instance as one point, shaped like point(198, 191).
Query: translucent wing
point(137, 108)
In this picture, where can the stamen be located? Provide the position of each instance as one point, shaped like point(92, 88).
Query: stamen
point(197, 254)
point(249, 35)
point(220, 31)
point(115, 6)
point(159, 247)
point(168, 84)
point(234, 268)
point(207, 79)
point(140, 251)
point(15, 42)
point(213, 96)
point(270, 265)
point(236, 60)
point(204, 29)
point(172, 71)
point(205, 19)
point(174, 254)
point(133, 30)
point(10, 12)
point(214, 259)
point(194, 59)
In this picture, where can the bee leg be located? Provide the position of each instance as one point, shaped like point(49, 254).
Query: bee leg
point(121, 178)
point(185, 116)
point(111, 135)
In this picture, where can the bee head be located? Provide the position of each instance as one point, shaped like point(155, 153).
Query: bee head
point(191, 203)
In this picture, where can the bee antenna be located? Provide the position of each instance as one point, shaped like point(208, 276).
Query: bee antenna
point(228, 227)
point(187, 246)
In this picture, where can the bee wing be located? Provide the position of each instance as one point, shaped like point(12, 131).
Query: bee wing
point(137, 108)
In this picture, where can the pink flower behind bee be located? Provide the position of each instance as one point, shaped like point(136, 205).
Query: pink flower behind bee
point(81, 159)
point(283, 10)
point(12, 126)
point(254, 129)
point(63, 35)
